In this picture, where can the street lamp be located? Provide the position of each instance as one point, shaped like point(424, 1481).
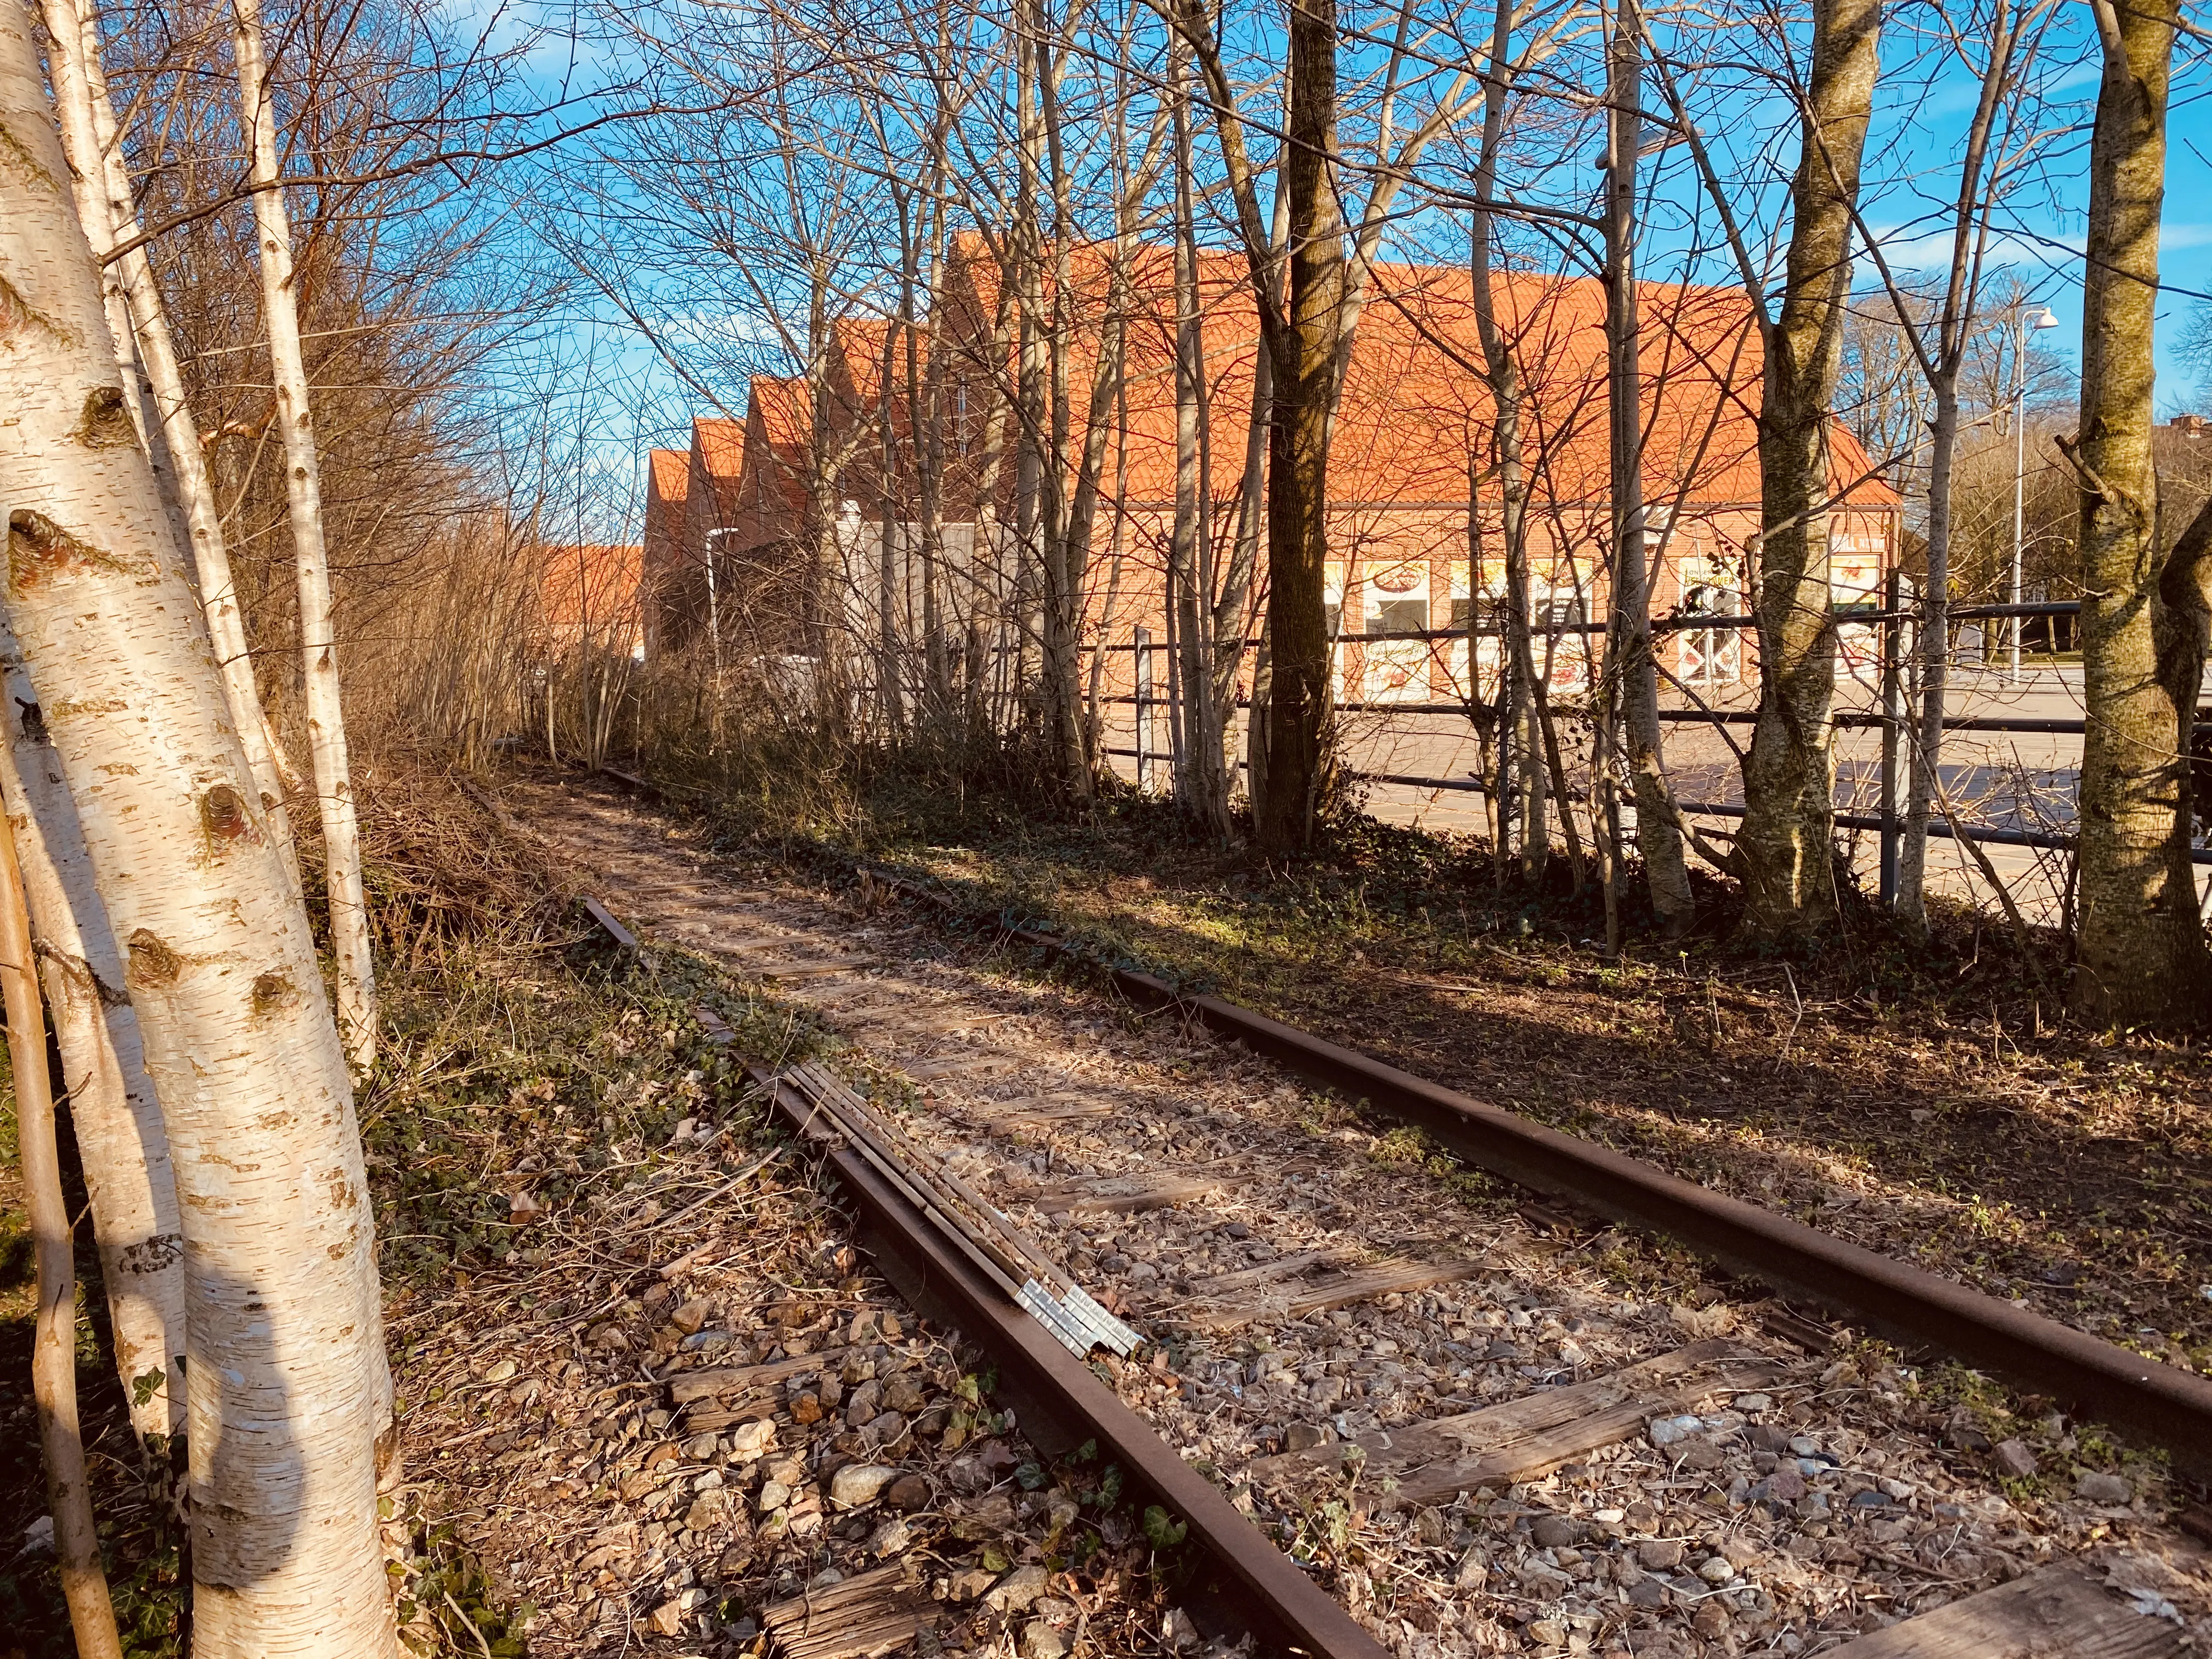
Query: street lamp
point(2021, 324)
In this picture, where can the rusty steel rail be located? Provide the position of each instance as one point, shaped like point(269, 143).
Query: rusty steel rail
point(1246, 1584)
point(1249, 1584)
point(2169, 1406)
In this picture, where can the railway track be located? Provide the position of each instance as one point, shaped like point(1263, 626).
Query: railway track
point(1397, 1401)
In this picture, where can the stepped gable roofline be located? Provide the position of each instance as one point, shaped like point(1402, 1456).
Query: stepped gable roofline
point(1414, 403)
point(718, 445)
point(668, 475)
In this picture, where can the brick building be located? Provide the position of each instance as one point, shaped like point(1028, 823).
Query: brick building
point(742, 530)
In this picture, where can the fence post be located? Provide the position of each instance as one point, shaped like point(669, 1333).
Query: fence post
point(1141, 646)
point(1892, 633)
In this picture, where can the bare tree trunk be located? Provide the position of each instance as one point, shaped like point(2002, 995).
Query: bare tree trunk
point(1064, 556)
point(53, 1341)
point(1256, 716)
point(2140, 951)
point(326, 736)
point(90, 139)
point(1106, 392)
point(1252, 496)
point(825, 448)
point(1109, 613)
point(120, 1137)
point(890, 574)
point(1198, 750)
point(1521, 748)
point(1934, 652)
point(1784, 850)
point(1486, 720)
point(990, 538)
point(1236, 611)
point(72, 42)
point(1201, 671)
point(287, 1391)
point(1634, 671)
point(924, 392)
point(1305, 352)
point(1940, 365)
point(1233, 610)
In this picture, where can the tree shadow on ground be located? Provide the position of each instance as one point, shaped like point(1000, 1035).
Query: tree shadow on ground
point(2071, 1175)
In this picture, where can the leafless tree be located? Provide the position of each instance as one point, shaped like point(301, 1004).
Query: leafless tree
point(2141, 950)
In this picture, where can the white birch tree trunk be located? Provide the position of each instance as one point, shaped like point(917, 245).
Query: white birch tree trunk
point(326, 738)
point(54, 1342)
point(110, 213)
point(286, 1383)
point(120, 1139)
point(74, 106)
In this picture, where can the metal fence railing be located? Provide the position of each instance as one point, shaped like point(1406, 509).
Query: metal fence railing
point(1995, 799)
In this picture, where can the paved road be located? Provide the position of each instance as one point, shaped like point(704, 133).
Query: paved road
point(2008, 779)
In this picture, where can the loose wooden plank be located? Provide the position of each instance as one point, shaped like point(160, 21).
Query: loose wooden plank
point(703, 1419)
point(1339, 1290)
point(658, 894)
point(1035, 1117)
point(961, 1065)
point(941, 1024)
point(712, 931)
point(1384, 1278)
point(1281, 1268)
point(1522, 1438)
point(746, 1379)
point(756, 939)
point(870, 1614)
point(1123, 1194)
point(2059, 1611)
point(857, 998)
point(810, 970)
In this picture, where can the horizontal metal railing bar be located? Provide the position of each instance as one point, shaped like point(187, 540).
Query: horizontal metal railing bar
point(1936, 827)
point(1662, 625)
point(2052, 728)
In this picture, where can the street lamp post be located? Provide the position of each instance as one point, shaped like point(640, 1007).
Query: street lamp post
point(2021, 323)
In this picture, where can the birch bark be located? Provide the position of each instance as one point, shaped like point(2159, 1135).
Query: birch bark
point(285, 1385)
point(326, 736)
point(90, 140)
point(53, 1343)
point(120, 1141)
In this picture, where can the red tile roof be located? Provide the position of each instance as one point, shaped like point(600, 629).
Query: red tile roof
point(672, 474)
point(591, 584)
point(1414, 406)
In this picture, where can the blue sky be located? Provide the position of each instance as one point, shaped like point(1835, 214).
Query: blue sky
point(1924, 103)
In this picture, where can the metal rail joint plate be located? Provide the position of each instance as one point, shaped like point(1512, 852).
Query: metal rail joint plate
point(1257, 1587)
